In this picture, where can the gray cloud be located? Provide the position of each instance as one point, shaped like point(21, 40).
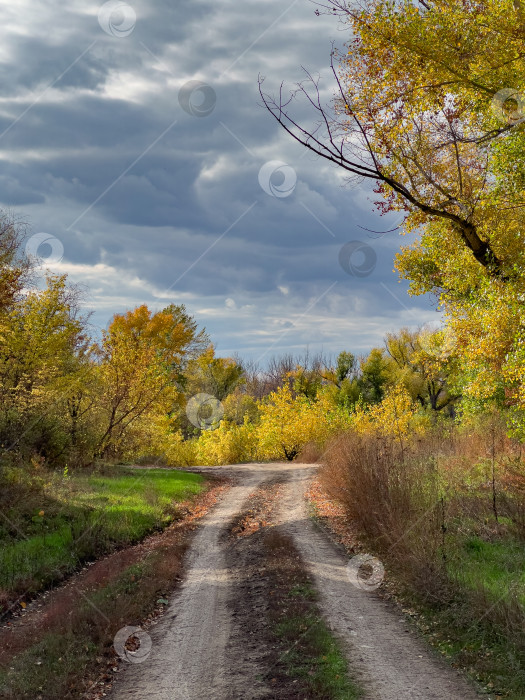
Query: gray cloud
point(154, 205)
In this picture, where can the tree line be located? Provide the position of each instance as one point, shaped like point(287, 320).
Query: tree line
point(70, 398)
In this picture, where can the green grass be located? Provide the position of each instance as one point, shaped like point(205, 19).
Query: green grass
point(306, 657)
point(73, 647)
point(303, 590)
point(484, 629)
point(85, 516)
point(497, 566)
point(479, 621)
point(318, 659)
point(492, 655)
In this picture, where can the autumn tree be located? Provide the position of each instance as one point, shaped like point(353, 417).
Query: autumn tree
point(429, 106)
point(142, 358)
point(288, 423)
point(419, 111)
point(15, 267)
point(43, 339)
point(307, 376)
point(217, 376)
point(423, 363)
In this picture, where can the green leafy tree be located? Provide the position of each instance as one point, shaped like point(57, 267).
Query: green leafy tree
point(376, 375)
point(423, 364)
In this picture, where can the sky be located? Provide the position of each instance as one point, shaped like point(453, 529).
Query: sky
point(134, 144)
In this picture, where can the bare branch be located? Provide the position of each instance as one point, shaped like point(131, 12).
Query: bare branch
point(344, 159)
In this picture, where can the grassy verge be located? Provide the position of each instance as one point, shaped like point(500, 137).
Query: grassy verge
point(48, 532)
point(469, 601)
point(498, 564)
point(478, 623)
point(306, 652)
point(64, 650)
point(477, 645)
point(476, 615)
point(55, 667)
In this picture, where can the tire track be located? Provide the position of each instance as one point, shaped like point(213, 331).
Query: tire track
point(195, 645)
point(188, 656)
point(391, 661)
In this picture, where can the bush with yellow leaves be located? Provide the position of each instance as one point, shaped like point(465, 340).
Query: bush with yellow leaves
point(168, 444)
point(179, 452)
point(397, 416)
point(288, 423)
point(228, 444)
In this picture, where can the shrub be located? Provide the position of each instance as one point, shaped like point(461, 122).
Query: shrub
point(289, 423)
point(179, 452)
point(228, 444)
point(392, 493)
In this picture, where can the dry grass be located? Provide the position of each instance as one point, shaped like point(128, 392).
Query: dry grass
point(391, 492)
point(446, 514)
point(309, 454)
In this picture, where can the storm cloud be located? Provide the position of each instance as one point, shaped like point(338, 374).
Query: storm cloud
point(134, 134)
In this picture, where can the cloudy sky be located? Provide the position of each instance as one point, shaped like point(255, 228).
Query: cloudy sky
point(134, 144)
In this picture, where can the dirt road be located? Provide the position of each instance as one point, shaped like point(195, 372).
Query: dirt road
point(191, 656)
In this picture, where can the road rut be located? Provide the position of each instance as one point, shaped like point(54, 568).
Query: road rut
point(189, 659)
point(391, 661)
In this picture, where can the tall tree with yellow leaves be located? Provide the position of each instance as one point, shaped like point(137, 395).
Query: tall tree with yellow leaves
point(430, 105)
point(141, 359)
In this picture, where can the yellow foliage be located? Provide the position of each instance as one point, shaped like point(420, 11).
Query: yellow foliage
point(228, 444)
point(396, 416)
point(180, 452)
point(288, 423)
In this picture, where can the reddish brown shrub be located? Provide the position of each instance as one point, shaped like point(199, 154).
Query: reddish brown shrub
point(309, 454)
